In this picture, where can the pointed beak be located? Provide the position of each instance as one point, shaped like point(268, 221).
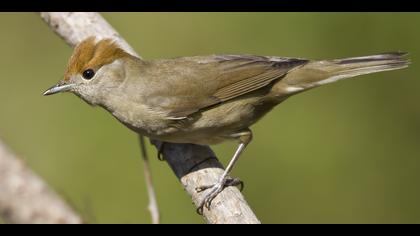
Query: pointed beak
point(58, 89)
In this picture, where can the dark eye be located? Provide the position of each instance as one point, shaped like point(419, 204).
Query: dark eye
point(88, 74)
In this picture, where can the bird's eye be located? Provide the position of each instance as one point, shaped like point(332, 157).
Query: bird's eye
point(88, 74)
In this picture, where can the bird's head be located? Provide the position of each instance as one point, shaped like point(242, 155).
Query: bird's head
point(94, 68)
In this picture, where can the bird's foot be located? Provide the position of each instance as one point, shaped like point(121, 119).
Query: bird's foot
point(215, 189)
point(160, 151)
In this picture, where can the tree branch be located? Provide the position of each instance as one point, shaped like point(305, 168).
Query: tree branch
point(25, 198)
point(194, 165)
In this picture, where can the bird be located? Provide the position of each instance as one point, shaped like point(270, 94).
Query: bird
point(202, 100)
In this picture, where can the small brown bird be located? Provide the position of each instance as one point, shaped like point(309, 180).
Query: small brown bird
point(201, 99)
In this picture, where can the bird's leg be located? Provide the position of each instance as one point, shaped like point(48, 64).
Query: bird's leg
point(160, 152)
point(244, 137)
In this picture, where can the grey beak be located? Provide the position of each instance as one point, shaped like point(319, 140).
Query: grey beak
point(58, 89)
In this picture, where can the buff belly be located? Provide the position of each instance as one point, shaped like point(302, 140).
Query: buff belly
point(217, 124)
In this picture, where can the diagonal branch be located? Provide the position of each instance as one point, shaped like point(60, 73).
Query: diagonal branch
point(25, 198)
point(194, 165)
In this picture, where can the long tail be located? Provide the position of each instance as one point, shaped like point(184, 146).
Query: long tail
point(317, 73)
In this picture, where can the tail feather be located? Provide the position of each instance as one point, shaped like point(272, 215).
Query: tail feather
point(318, 73)
point(399, 56)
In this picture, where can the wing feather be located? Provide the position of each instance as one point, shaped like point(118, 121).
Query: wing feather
point(236, 75)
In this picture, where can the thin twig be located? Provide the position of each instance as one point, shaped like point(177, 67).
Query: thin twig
point(153, 206)
point(229, 206)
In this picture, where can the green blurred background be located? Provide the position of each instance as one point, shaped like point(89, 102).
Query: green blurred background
point(347, 152)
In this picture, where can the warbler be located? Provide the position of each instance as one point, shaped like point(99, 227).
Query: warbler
point(201, 99)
